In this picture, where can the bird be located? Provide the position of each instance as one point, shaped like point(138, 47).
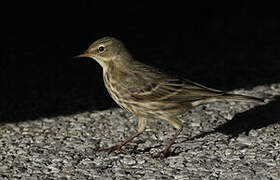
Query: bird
point(147, 92)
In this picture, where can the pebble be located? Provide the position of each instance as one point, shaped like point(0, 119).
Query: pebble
point(243, 139)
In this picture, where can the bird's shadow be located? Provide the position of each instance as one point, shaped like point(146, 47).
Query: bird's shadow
point(256, 118)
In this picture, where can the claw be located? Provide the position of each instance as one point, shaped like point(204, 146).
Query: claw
point(119, 146)
point(161, 155)
point(114, 148)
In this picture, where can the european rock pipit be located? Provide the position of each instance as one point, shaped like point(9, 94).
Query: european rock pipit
point(148, 93)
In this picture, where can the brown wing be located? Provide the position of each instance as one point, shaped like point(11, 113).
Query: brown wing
point(152, 85)
point(175, 90)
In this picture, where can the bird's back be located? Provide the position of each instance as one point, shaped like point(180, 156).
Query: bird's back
point(143, 90)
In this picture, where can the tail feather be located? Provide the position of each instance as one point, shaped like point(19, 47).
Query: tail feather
point(238, 97)
point(228, 96)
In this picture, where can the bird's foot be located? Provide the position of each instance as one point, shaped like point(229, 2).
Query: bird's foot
point(114, 148)
point(162, 154)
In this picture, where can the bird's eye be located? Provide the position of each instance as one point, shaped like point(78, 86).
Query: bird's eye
point(101, 49)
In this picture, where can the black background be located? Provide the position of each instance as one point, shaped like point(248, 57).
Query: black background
point(226, 46)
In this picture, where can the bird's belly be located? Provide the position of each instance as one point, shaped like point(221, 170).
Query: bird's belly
point(159, 109)
point(150, 109)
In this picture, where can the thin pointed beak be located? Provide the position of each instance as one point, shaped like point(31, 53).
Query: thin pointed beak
point(82, 55)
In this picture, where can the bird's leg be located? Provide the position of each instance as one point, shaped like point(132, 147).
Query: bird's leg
point(141, 128)
point(119, 146)
point(179, 126)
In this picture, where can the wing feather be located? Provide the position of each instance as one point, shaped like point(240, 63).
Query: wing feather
point(176, 90)
point(152, 85)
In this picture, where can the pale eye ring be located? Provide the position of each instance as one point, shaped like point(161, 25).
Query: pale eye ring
point(101, 48)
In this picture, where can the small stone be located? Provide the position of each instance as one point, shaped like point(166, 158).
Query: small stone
point(244, 140)
point(193, 124)
point(208, 112)
point(253, 133)
point(228, 152)
point(48, 120)
point(128, 160)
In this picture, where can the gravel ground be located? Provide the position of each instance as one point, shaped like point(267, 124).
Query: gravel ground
point(223, 140)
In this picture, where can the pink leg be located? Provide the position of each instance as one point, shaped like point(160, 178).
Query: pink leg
point(141, 128)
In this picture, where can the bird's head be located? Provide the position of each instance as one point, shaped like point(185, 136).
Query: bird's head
point(107, 50)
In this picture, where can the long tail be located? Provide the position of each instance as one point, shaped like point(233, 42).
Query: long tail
point(238, 97)
point(228, 96)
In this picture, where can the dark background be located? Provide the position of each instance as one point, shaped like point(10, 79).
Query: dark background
point(226, 45)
